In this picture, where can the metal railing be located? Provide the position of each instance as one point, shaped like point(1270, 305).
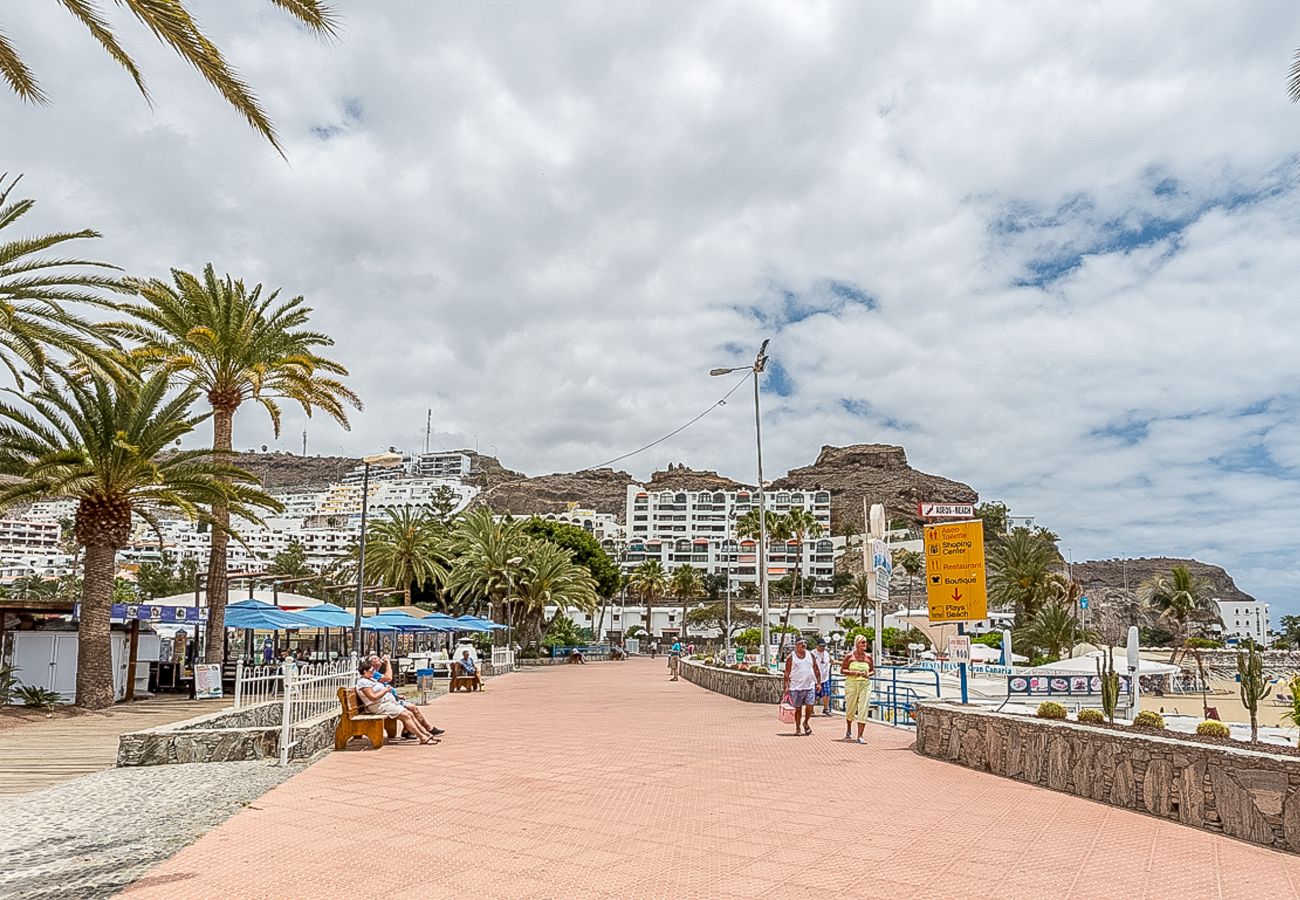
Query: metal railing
point(894, 692)
point(257, 684)
point(310, 690)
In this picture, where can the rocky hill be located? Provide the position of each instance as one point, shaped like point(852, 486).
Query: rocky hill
point(1105, 578)
point(287, 470)
point(880, 474)
point(604, 490)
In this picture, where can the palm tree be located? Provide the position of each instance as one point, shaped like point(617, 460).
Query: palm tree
point(912, 564)
point(801, 525)
point(1053, 630)
point(1019, 567)
point(110, 446)
point(686, 585)
point(172, 24)
point(550, 577)
point(234, 345)
point(858, 597)
point(1180, 599)
point(404, 547)
point(35, 291)
point(650, 581)
point(486, 557)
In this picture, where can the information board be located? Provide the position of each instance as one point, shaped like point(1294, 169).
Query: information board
point(954, 572)
point(207, 681)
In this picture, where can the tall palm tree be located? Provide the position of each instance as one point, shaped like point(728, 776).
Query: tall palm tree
point(550, 577)
point(1180, 599)
point(403, 547)
point(1019, 567)
point(801, 525)
point(686, 585)
point(36, 291)
point(858, 597)
point(235, 345)
point(173, 24)
point(649, 580)
point(912, 564)
point(487, 559)
point(110, 446)
point(1053, 630)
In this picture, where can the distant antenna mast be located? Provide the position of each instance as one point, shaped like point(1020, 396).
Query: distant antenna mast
point(428, 430)
point(304, 442)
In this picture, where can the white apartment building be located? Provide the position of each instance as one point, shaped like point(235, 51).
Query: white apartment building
point(51, 510)
point(697, 528)
point(1245, 619)
point(604, 527)
point(30, 534)
point(443, 465)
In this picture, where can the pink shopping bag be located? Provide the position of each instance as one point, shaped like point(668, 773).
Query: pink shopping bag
point(786, 711)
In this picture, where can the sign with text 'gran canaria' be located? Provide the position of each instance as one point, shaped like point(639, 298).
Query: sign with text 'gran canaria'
point(954, 572)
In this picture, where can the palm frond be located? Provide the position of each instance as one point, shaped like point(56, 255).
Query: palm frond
point(14, 71)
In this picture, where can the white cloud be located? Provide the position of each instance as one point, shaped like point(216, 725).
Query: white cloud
point(548, 221)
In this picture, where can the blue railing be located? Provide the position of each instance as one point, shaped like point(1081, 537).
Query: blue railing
point(894, 692)
point(592, 651)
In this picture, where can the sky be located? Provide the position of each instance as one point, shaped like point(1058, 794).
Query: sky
point(1046, 247)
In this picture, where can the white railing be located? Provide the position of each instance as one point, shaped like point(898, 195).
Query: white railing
point(311, 690)
point(503, 659)
point(257, 684)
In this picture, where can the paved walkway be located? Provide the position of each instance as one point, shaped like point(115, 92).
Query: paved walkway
point(38, 754)
point(609, 781)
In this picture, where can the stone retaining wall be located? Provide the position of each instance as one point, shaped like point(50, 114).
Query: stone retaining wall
point(1248, 794)
point(741, 685)
point(226, 735)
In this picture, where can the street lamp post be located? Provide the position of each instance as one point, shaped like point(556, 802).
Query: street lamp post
point(757, 367)
point(385, 461)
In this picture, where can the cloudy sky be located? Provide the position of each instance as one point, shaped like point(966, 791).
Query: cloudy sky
point(1046, 247)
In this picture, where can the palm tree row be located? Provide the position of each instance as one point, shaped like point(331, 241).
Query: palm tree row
point(110, 402)
point(479, 564)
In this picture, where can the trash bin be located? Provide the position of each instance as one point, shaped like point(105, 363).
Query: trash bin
point(424, 684)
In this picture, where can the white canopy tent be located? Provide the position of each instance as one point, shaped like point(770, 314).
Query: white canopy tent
point(286, 599)
point(1087, 665)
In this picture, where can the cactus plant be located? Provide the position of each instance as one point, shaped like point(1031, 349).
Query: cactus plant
point(1254, 684)
point(1109, 685)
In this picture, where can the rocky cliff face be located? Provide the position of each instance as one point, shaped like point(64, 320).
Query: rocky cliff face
point(285, 470)
point(1104, 579)
point(880, 474)
point(604, 490)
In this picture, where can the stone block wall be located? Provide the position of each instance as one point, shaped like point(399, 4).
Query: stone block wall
point(740, 685)
point(1248, 794)
point(227, 735)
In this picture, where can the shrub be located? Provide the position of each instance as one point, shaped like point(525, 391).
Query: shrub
point(8, 684)
point(1149, 719)
point(708, 660)
point(1091, 716)
point(1050, 710)
point(38, 697)
point(1213, 728)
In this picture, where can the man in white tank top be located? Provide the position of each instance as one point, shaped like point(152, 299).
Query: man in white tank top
point(801, 680)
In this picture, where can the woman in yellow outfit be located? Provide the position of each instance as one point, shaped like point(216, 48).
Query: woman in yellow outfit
point(857, 669)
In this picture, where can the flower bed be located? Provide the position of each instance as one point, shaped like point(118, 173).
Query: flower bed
point(752, 687)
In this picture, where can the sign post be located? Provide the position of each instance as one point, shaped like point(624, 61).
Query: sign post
point(955, 582)
point(946, 510)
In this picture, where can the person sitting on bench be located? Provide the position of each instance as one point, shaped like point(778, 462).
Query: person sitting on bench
point(384, 675)
point(469, 668)
point(377, 699)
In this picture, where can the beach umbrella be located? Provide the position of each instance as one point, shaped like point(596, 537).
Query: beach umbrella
point(270, 619)
point(327, 615)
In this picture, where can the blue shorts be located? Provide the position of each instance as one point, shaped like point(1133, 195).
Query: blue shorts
point(802, 698)
point(824, 689)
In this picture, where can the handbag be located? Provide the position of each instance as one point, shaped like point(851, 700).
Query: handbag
point(785, 711)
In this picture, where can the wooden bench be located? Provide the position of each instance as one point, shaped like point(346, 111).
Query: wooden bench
point(356, 723)
point(461, 680)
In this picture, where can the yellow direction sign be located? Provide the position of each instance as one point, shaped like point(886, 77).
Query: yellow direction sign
point(954, 572)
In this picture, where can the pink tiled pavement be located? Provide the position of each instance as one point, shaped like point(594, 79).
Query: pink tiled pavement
point(609, 781)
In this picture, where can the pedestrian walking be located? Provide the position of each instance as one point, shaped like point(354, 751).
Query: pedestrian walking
point(675, 659)
point(801, 677)
point(654, 648)
point(822, 656)
point(857, 668)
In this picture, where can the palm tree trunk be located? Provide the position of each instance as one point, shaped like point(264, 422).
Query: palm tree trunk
point(222, 436)
point(94, 645)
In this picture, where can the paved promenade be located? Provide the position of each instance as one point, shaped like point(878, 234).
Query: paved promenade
point(609, 781)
